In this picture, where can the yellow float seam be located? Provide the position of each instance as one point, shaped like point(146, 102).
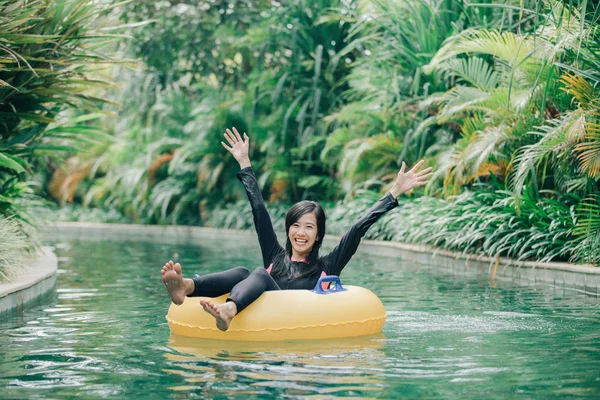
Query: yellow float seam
point(278, 329)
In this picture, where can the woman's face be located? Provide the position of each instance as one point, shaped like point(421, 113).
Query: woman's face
point(302, 235)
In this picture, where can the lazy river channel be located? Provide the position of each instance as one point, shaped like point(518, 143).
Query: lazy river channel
point(103, 333)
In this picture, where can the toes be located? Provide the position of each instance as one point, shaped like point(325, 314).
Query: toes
point(177, 268)
point(210, 308)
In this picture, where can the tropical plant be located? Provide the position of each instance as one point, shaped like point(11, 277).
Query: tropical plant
point(192, 40)
point(47, 48)
point(298, 80)
point(395, 41)
point(490, 102)
point(15, 247)
point(485, 222)
point(587, 231)
point(497, 98)
point(238, 215)
point(568, 145)
point(336, 95)
point(166, 164)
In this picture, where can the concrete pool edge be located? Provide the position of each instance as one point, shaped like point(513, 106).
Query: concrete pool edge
point(581, 278)
point(36, 281)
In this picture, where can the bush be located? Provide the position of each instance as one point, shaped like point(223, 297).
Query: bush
point(47, 50)
point(15, 248)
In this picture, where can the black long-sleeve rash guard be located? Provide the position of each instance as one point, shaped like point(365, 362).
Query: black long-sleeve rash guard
point(334, 262)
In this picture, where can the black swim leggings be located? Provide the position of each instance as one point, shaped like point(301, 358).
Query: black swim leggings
point(245, 287)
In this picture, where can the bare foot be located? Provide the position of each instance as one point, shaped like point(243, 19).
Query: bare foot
point(173, 280)
point(223, 313)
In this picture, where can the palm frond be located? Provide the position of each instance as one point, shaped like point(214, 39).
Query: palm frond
point(588, 216)
point(507, 46)
point(473, 70)
point(582, 90)
point(587, 231)
point(589, 150)
point(461, 99)
point(469, 162)
point(556, 138)
point(164, 195)
point(372, 155)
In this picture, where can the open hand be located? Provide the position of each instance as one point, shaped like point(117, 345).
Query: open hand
point(237, 147)
point(406, 181)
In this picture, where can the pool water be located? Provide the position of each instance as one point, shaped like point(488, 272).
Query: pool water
point(104, 334)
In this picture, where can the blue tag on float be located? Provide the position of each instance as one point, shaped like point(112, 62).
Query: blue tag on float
point(332, 279)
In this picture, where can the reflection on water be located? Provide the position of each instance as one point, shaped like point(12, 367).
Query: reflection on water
point(323, 366)
point(103, 333)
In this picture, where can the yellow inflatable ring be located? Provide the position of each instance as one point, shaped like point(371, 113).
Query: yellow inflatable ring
point(287, 315)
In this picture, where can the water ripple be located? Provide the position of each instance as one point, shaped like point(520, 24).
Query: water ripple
point(104, 335)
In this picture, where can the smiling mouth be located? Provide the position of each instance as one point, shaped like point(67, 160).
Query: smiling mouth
point(301, 242)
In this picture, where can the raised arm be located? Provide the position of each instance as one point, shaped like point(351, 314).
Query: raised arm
point(340, 256)
point(262, 221)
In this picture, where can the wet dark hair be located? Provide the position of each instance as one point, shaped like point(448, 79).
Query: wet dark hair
point(282, 264)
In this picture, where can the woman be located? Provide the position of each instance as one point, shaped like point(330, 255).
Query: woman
point(298, 266)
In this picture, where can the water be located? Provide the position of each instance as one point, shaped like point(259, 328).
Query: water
point(103, 334)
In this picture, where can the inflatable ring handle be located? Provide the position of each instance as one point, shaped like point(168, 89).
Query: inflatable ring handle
point(329, 278)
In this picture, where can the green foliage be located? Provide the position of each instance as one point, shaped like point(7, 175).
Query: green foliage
point(77, 213)
point(299, 79)
point(167, 164)
point(501, 99)
point(16, 248)
point(48, 49)
point(486, 222)
point(15, 199)
point(239, 216)
point(394, 42)
point(506, 93)
point(193, 39)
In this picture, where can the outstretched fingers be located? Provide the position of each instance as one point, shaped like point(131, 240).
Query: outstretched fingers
point(406, 181)
point(229, 137)
point(237, 135)
point(424, 172)
point(403, 167)
point(235, 138)
point(226, 147)
point(423, 180)
point(417, 166)
point(423, 177)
